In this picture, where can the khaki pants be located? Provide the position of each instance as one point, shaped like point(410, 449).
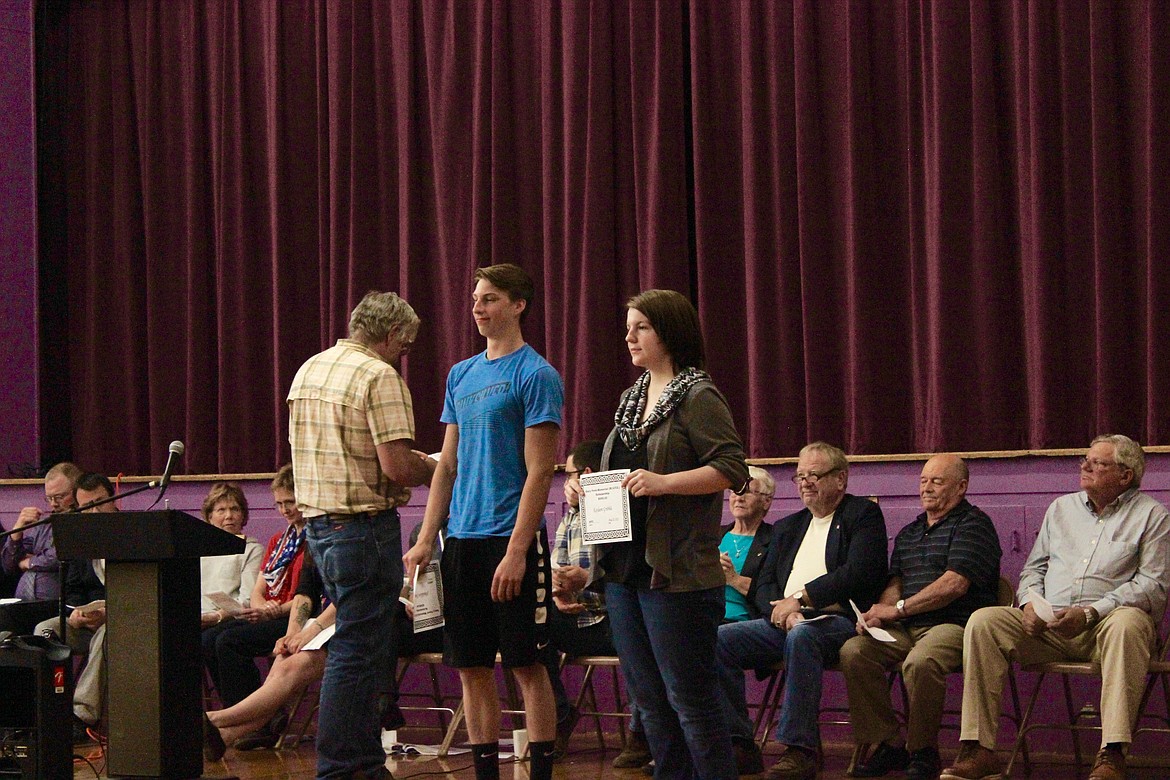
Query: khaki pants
point(927, 654)
point(1121, 643)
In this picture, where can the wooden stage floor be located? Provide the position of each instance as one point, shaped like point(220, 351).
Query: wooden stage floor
point(586, 761)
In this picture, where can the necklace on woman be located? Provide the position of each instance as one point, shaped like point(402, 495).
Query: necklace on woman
point(740, 543)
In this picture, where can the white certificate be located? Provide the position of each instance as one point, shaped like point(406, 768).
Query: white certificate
point(605, 508)
point(427, 591)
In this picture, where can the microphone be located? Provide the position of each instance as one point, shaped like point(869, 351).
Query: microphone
point(176, 451)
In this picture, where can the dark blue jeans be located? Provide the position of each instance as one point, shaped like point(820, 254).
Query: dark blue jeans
point(666, 642)
point(805, 650)
point(361, 565)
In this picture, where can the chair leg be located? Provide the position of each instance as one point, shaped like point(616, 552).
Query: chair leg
point(1022, 731)
point(1015, 718)
point(769, 706)
point(617, 706)
point(1072, 719)
point(449, 737)
point(860, 754)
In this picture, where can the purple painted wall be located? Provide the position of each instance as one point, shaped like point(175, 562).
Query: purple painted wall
point(18, 249)
point(1015, 492)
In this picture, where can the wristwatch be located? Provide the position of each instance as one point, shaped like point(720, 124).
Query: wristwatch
point(1090, 616)
point(900, 605)
point(799, 596)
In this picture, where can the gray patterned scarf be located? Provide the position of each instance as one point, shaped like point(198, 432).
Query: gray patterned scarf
point(630, 411)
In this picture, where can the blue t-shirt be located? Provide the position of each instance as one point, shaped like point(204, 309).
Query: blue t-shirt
point(493, 402)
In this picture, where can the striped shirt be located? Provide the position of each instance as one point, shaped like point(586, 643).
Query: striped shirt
point(963, 541)
point(343, 403)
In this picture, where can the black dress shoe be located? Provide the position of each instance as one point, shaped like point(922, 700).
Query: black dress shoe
point(924, 764)
point(81, 732)
point(267, 736)
point(213, 746)
point(883, 761)
point(748, 759)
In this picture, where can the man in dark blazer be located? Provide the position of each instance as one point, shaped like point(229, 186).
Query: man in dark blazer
point(820, 558)
point(745, 544)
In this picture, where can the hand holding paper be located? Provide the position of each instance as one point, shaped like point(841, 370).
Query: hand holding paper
point(1041, 606)
point(880, 634)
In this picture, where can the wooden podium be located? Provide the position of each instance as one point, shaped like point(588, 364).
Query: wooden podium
point(154, 667)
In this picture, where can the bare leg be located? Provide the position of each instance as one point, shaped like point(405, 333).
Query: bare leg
point(481, 704)
point(288, 675)
point(540, 708)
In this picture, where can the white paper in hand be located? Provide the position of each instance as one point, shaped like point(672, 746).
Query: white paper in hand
point(880, 634)
point(1041, 607)
point(317, 642)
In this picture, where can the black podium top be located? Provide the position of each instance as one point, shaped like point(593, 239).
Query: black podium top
point(139, 536)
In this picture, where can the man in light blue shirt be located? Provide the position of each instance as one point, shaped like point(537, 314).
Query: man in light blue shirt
point(1100, 560)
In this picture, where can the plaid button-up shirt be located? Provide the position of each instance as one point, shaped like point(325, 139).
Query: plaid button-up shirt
point(343, 403)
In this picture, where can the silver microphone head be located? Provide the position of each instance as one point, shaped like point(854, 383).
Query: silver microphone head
point(176, 447)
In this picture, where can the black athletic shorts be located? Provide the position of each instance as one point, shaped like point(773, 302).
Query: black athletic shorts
point(477, 627)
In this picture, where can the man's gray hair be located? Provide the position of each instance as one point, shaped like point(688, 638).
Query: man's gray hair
point(764, 478)
point(379, 313)
point(836, 456)
point(1128, 454)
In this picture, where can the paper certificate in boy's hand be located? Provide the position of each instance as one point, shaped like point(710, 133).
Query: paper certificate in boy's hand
point(605, 508)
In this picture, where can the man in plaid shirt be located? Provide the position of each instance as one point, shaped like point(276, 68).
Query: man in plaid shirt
point(578, 626)
point(351, 426)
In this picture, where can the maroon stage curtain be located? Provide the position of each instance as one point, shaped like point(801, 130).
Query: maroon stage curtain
point(908, 226)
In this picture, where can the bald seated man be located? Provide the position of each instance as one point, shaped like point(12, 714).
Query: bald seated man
point(945, 565)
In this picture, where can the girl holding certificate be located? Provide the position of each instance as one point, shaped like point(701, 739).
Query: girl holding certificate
point(664, 589)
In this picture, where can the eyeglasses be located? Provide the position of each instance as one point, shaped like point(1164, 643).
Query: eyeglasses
point(573, 473)
point(58, 498)
point(812, 477)
point(1093, 464)
point(760, 493)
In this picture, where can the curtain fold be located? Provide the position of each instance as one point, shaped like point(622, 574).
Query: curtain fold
point(907, 226)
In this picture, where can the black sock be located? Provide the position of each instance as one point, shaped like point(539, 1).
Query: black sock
point(487, 760)
point(540, 756)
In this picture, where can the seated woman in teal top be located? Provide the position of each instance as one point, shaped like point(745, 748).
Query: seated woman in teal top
point(745, 543)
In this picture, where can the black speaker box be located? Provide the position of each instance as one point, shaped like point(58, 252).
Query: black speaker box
point(36, 677)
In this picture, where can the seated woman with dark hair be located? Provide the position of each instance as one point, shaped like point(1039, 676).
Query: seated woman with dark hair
point(230, 647)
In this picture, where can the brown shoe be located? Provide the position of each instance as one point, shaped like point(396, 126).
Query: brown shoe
point(635, 754)
point(1110, 765)
point(794, 764)
point(974, 762)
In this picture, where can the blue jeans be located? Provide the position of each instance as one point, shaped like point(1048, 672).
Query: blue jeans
point(666, 642)
point(360, 561)
point(805, 650)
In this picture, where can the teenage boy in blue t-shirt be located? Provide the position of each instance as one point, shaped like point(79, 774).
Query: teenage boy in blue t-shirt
point(503, 415)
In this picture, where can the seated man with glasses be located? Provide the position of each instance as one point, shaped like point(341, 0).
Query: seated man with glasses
point(1100, 560)
point(85, 627)
point(31, 555)
point(820, 558)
